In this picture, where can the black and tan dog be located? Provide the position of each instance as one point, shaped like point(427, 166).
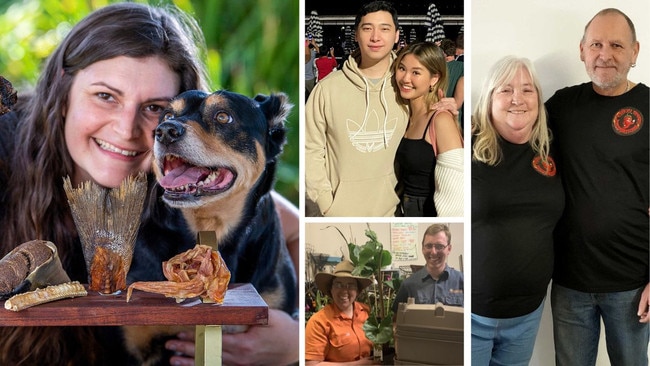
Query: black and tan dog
point(215, 155)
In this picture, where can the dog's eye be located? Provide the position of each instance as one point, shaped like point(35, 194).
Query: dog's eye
point(168, 115)
point(223, 117)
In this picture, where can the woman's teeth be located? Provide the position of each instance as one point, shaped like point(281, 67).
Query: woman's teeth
point(108, 147)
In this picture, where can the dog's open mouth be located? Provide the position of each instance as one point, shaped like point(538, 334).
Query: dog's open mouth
point(181, 177)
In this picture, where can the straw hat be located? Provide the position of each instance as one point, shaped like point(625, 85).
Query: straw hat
point(343, 269)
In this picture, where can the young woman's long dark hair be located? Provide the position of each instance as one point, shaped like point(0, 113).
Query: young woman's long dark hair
point(35, 204)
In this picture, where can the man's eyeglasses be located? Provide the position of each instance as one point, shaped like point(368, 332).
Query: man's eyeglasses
point(438, 247)
point(347, 286)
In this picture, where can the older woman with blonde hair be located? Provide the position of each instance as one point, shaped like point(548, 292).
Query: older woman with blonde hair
point(486, 135)
point(517, 199)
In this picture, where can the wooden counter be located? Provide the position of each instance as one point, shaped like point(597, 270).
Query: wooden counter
point(242, 306)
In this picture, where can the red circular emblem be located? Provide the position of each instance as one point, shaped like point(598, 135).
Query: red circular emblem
point(547, 169)
point(627, 121)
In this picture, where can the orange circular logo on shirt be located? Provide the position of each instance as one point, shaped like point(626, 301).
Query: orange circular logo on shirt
point(627, 121)
point(547, 169)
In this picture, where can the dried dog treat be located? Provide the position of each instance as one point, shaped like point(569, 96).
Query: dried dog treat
point(200, 271)
point(45, 295)
point(107, 220)
point(20, 262)
point(107, 271)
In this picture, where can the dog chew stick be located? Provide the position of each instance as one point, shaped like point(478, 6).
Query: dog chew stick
point(45, 295)
point(108, 222)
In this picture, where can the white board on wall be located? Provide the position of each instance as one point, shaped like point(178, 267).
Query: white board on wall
point(404, 241)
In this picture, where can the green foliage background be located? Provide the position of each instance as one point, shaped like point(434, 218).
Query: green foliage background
point(252, 49)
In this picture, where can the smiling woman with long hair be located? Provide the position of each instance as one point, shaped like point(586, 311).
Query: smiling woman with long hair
point(35, 154)
point(429, 159)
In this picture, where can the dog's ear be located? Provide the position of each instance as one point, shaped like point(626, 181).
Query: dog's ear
point(276, 109)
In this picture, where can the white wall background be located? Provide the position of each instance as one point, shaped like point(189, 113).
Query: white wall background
point(547, 32)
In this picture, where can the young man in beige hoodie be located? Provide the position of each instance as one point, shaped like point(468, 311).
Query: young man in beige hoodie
point(354, 125)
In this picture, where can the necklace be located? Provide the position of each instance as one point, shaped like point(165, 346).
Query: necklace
point(627, 87)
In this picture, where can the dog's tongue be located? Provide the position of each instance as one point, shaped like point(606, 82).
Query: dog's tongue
point(183, 175)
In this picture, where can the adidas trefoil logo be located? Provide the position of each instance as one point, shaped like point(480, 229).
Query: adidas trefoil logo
point(370, 136)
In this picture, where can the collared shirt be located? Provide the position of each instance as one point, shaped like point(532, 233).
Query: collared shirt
point(332, 336)
point(448, 289)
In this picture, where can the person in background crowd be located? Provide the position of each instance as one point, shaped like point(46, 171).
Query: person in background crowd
point(456, 84)
point(326, 63)
point(460, 47)
point(311, 51)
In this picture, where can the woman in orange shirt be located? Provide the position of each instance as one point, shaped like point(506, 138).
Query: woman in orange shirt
point(335, 333)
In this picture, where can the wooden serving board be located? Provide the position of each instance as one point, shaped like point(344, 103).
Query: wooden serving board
point(242, 306)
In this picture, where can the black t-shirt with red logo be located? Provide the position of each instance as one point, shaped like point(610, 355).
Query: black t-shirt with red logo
point(603, 154)
point(515, 207)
